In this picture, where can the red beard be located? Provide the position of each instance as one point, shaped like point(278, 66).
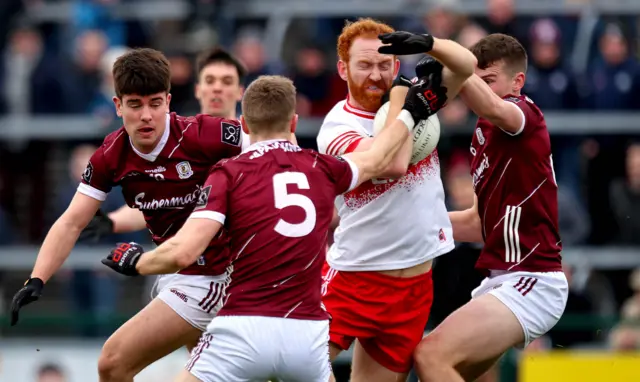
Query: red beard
point(369, 101)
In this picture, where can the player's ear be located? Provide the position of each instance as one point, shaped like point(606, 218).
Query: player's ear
point(518, 81)
point(396, 67)
point(244, 125)
point(342, 70)
point(118, 104)
point(240, 93)
point(196, 91)
point(294, 123)
point(168, 102)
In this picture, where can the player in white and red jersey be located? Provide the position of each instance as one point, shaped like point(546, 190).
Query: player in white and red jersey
point(391, 227)
point(276, 202)
point(515, 215)
point(161, 161)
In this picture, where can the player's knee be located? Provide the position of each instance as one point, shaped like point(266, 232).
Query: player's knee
point(111, 365)
point(426, 354)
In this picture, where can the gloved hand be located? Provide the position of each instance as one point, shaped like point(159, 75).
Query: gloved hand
point(399, 81)
point(124, 257)
point(403, 43)
point(30, 292)
point(100, 226)
point(426, 97)
point(428, 65)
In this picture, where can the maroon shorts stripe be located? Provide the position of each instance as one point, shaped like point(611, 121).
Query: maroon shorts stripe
point(530, 287)
point(208, 294)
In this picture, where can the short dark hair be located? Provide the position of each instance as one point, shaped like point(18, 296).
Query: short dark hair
point(217, 55)
point(500, 47)
point(141, 71)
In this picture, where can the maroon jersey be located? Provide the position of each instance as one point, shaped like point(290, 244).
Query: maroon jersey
point(514, 181)
point(276, 202)
point(166, 183)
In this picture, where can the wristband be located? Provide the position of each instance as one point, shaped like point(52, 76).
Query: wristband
point(407, 119)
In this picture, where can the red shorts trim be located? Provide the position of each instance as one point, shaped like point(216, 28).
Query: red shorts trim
point(386, 314)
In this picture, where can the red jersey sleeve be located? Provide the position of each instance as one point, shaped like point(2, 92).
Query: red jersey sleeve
point(218, 137)
point(213, 199)
point(530, 113)
point(96, 180)
point(342, 171)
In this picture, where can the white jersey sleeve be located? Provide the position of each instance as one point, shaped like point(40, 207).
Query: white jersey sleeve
point(340, 134)
point(245, 141)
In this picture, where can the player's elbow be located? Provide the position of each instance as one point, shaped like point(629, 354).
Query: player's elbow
point(395, 169)
point(470, 66)
point(71, 223)
point(184, 259)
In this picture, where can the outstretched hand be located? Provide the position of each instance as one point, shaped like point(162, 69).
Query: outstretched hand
point(405, 43)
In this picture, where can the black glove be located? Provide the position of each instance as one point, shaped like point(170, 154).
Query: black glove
point(428, 65)
point(426, 97)
point(124, 257)
point(100, 226)
point(403, 43)
point(399, 81)
point(30, 292)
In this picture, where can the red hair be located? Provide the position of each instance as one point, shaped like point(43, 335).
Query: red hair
point(364, 27)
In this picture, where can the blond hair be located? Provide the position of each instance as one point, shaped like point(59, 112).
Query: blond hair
point(364, 27)
point(268, 104)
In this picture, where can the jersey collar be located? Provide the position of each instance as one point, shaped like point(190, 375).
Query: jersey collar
point(357, 112)
point(257, 145)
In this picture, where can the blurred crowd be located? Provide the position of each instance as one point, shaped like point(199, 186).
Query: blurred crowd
point(64, 69)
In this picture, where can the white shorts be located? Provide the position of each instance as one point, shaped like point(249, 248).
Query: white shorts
point(197, 299)
point(251, 348)
point(537, 299)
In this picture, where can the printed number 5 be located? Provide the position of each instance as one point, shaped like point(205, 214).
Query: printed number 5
point(284, 199)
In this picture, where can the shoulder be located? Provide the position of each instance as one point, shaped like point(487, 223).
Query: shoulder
point(525, 103)
point(115, 142)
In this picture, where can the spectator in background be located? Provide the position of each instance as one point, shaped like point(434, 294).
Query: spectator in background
point(625, 199)
point(312, 79)
point(626, 337)
point(102, 106)
point(95, 15)
point(549, 83)
point(21, 59)
point(501, 18)
point(182, 79)
point(50, 372)
point(84, 75)
point(573, 218)
point(614, 78)
point(75, 91)
point(442, 20)
point(250, 51)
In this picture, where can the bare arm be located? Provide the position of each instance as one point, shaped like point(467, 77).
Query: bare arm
point(486, 104)
point(181, 250)
point(466, 224)
point(400, 162)
point(63, 235)
point(126, 219)
point(459, 64)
